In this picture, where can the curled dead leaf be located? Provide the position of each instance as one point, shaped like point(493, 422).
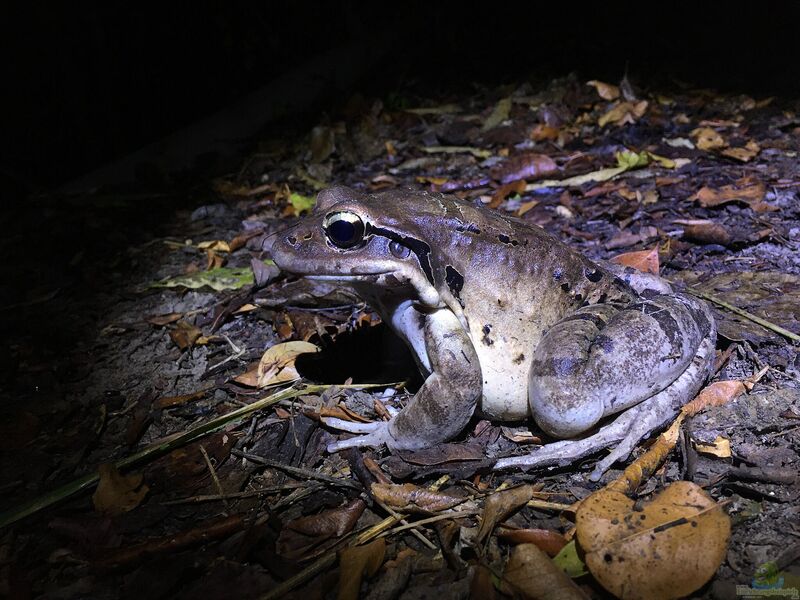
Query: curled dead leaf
point(605, 90)
point(277, 365)
point(716, 394)
point(743, 154)
point(704, 231)
point(412, 498)
point(642, 260)
point(665, 548)
point(500, 505)
point(524, 166)
point(356, 562)
point(623, 113)
point(720, 447)
point(547, 540)
point(533, 575)
point(185, 335)
point(708, 139)
point(745, 190)
point(117, 493)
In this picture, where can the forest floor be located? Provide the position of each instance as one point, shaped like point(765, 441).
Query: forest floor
point(145, 313)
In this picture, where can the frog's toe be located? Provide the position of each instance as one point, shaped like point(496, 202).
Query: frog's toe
point(370, 434)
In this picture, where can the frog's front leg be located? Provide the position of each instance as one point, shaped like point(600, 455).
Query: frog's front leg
point(646, 359)
point(446, 401)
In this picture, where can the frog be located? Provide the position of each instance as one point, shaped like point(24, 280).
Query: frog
point(506, 323)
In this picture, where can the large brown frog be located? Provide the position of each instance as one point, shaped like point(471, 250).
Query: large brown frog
point(505, 320)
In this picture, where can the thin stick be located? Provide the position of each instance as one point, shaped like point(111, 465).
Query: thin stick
point(214, 477)
point(413, 526)
point(747, 315)
point(434, 519)
point(296, 471)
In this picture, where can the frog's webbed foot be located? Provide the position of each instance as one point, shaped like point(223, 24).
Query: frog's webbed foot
point(371, 434)
point(627, 429)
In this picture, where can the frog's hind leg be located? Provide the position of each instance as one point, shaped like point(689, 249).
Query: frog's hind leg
point(646, 359)
point(628, 428)
point(604, 359)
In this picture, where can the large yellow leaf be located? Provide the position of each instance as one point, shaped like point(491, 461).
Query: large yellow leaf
point(666, 548)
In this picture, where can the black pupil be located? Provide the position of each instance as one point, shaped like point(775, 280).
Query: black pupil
point(342, 232)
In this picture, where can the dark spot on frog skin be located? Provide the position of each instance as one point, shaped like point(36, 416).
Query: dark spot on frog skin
point(558, 367)
point(418, 247)
point(487, 329)
point(507, 240)
point(292, 240)
point(578, 297)
point(605, 343)
point(469, 228)
point(558, 273)
point(519, 359)
point(669, 326)
point(565, 286)
point(455, 281)
point(593, 275)
point(308, 236)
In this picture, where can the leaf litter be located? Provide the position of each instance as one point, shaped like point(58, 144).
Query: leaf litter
point(701, 197)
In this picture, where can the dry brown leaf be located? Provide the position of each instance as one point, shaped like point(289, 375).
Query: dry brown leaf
point(482, 583)
point(643, 467)
point(241, 240)
point(305, 534)
point(184, 335)
point(412, 498)
point(526, 206)
point(666, 548)
point(277, 363)
point(250, 377)
point(720, 447)
point(117, 493)
point(498, 506)
point(542, 132)
point(161, 320)
point(501, 193)
point(745, 190)
point(743, 154)
point(624, 239)
point(532, 575)
point(547, 540)
point(708, 139)
point(623, 113)
point(605, 90)
point(524, 166)
point(716, 394)
point(215, 245)
point(704, 231)
point(354, 563)
point(642, 260)
point(169, 401)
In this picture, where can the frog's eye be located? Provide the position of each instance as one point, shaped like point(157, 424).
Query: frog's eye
point(398, 250)
point(344, 229)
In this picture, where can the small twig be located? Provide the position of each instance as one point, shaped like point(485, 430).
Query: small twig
point(747, 315)
point(299, 494)
point(296, 471)
point(433, 519)
point(214, 477)
point(270, 489)
point(413, 526)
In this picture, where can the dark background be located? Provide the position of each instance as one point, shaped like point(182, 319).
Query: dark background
point(87, 83)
